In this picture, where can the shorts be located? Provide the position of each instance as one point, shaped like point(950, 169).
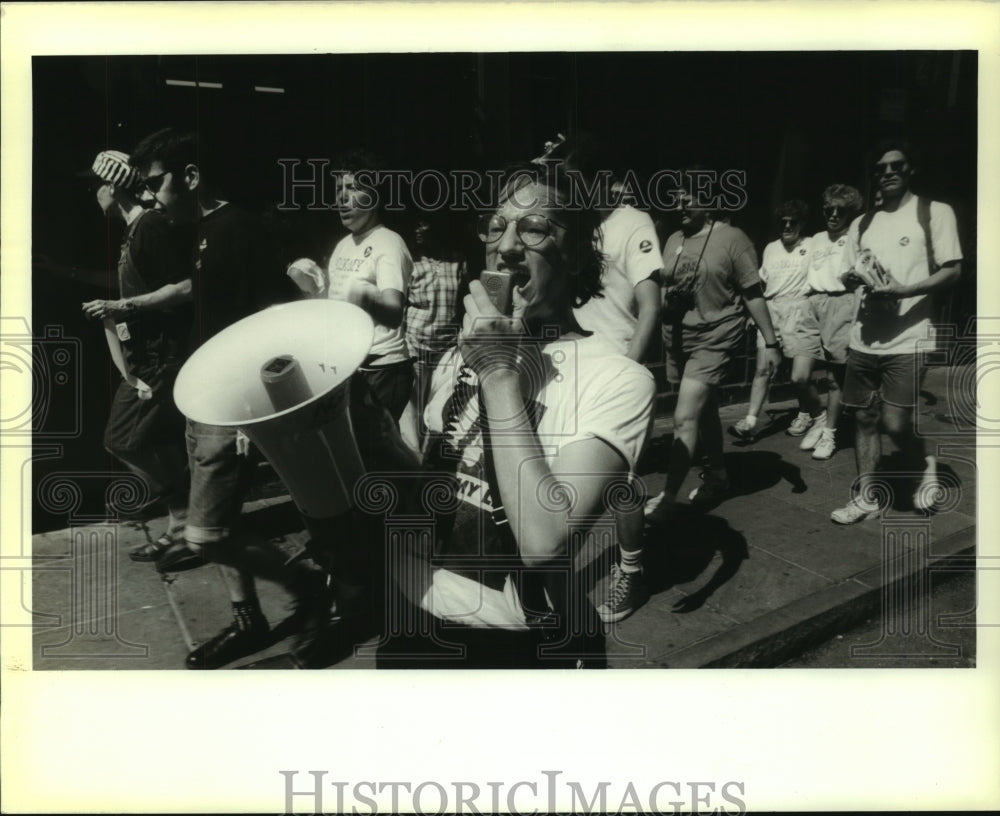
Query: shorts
point(390, 385)
point(220, 478)
point(892, 378)
point(702, 354)
point(796, 329)
point(136, 423)
point(833, 314)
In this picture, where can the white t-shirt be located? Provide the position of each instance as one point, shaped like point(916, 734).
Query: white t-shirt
point(628, 239)
point(783, 271)
point(825, 263)
point(897, 240)
point(583, 389)
point(379, 257)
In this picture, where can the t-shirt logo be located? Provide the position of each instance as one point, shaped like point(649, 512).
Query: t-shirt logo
point(645, 246)
point(840, 241)
point(904, 241)
point(368, 251)
point(802, 251)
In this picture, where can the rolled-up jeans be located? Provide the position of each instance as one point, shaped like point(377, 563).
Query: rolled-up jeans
point(220, 478)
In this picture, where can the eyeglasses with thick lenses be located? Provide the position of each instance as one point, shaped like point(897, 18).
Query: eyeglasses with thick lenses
point(834, 209)
point(881, 168)
point(531, 229)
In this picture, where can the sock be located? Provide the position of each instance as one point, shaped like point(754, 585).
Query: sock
point(631, 561)
point(804, 415)
point(751, 420)
point(247, 614)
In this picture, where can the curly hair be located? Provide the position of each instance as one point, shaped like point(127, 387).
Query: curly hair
point(843, 194)
point(794, 208)
point(586, 262)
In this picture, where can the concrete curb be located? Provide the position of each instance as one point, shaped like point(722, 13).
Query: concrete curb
point(777, 636)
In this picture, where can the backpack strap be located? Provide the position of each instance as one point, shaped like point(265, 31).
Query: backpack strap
point(866, 222)
point(924, 219)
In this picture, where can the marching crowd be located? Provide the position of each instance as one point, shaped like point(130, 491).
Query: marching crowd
point(537, 410)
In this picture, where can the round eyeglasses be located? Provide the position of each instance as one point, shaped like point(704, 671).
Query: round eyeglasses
point(531, 229)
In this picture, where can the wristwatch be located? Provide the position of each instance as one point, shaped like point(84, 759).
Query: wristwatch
point(128, 306)
point(774, 345)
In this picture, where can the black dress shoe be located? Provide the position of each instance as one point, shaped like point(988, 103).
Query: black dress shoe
point(313, 616)
point(230, 644)
point(178, 557)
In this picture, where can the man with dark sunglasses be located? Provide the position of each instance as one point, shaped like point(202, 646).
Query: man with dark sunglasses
point(888, 258)
point(234, 275)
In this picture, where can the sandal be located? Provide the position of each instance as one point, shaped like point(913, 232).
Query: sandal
point(151, 551)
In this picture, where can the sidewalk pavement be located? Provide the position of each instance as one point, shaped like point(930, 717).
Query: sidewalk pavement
point(752, 583)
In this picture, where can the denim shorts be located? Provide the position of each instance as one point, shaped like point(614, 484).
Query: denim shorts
point(220, 478)
point(891, 378)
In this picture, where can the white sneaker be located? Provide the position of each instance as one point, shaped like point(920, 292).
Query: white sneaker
point(802, 423)
point(929, 492)
point(812, 436)
point(826, 446)
point(853, 512)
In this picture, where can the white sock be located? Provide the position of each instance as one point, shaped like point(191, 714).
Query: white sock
point(751, 420)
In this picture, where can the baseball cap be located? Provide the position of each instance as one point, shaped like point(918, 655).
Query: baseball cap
point(112, 166)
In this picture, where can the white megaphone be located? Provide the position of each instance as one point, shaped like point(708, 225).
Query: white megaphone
point(282, 376)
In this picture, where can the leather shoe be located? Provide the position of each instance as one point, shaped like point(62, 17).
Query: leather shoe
point(178, 557)
point(230, 644)
point(313, 615)
point(152, 551)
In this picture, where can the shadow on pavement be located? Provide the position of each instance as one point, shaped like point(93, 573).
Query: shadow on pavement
point(683, 551)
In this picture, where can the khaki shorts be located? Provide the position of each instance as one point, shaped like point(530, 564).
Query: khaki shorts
point(833, 314)
point(702, 354)
point(795, 327)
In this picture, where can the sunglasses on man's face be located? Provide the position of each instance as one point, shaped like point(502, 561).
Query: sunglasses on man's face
point(788, 223)
point(154, 183)
point(834, 209)
point(881, 168)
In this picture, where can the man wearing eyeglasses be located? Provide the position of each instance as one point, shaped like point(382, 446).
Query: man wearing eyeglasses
point(234, 275)
point(888, 258)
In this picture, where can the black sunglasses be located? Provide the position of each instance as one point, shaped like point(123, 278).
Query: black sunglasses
point(154, 183)
point(834, 209)
point(881, 168)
